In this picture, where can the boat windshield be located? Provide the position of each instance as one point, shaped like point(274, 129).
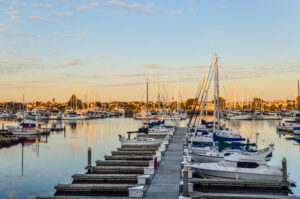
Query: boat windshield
point(247, 164)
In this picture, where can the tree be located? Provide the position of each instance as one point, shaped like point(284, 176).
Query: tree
point(74, 102)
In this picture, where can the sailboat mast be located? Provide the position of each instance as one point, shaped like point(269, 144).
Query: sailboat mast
point(299, 99)
point(218, 94)
point(158, 94)
point(147, 98)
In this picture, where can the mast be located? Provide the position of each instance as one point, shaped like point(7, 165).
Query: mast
point(147, 98)
point(216, 95)
point(158, 93)
point(299, 99)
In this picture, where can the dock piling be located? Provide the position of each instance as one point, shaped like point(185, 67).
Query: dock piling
point(185, 182)
point(155, 163)
point(89, 166)
point(284, 170)
point(2, 126)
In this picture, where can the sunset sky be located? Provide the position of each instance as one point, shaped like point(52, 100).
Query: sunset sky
point(51, 48)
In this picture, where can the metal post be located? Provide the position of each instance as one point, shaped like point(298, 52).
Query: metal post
point(185, 182)
point(155, 163)
point(89, 166)
point(284, 170)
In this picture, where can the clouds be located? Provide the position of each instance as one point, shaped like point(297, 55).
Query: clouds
point(12, 12)
point(40, 5)
point(150, 66)
point(63, 14)
point(88, 7)
point(23, 34)
point(3, 29)
point(36, 18)
point(15, 18)
point(74, 62)
point(136, 7)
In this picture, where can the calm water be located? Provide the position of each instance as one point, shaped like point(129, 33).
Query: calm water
point(55, 159)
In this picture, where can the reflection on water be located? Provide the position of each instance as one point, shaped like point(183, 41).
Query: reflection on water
point(54, 159)
point(51, 160)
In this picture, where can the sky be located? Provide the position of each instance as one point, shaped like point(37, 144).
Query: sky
point(106, 49)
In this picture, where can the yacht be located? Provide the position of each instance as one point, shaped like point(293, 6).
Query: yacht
point(73, 115)
point(239, 115)
point(240, 166)
point(268, 116)
point(144, 116)
point(28, 127)
point(213, 154)
point(287, 124)
point(139, 141)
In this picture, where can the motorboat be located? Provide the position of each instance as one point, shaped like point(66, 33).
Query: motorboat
point(28, 127)
point(213, 154)
point(73, 115)
point(268, 116)
point(287, 124)
point(144, 115)
point(239, 115)
point(240, 166)
point(139, 141)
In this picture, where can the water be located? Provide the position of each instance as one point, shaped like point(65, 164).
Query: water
point(54, 160)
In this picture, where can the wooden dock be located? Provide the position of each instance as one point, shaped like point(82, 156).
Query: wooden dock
point(165, 183)
point(127, 171)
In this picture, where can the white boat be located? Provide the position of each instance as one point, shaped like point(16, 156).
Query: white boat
point(139, 141)
point(287, 124)
point(212, 154)
point(238, 115)
point(239, 166)
point(268, 116)
point(73, 115)
point(28, 127)
point(144, 116)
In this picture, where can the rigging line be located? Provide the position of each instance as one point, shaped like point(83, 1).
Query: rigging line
point(197, 99)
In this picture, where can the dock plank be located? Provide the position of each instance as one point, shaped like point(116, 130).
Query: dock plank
point(166, 181)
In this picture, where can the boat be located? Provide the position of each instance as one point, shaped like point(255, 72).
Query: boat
point(242, 167)
point(73, 115)
point(268, 116)
point(287, 124)
point(213, 154)
point(139, 141)
point(239, 115)
point(28, 127)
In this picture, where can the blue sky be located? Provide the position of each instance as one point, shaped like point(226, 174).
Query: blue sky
point(51, 48)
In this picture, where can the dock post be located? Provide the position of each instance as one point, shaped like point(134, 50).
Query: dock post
point(2, 126)
point(155, 163)
point(89, 166)
point(129, 135)
point(284, 170)
point(185, 182)
point(186, 140)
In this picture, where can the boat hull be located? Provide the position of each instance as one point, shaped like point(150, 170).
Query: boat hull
point(238, 175)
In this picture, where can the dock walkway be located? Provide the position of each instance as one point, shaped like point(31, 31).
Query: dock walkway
point(165, 183)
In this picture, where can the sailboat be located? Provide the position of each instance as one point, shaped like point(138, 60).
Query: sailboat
point(205, 146)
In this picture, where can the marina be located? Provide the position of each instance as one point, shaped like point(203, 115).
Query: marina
point(81, 136)
point(131, 99)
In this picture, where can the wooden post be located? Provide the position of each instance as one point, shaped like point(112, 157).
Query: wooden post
point(2, 126)
point(284, 170)
point(185, 182)
point(186, 140)
point(155, 163)
point(89, 166)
